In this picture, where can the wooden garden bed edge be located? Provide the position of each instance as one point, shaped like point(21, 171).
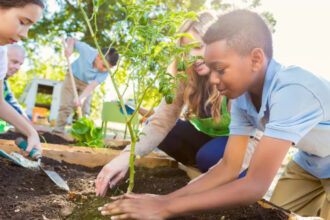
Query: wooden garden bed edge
point(89, 157)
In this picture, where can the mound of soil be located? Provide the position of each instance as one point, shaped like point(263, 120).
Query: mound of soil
point(28, 194)
point(44, 138)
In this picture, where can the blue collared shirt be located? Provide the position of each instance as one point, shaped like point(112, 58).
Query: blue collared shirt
point(295, 107)
point(82, 68)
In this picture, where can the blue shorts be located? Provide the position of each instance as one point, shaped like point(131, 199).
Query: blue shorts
point(192, 147)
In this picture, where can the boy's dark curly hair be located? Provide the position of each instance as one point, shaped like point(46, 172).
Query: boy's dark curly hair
point(243, 31)
point(20, 3)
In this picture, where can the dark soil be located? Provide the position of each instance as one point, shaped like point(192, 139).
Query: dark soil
point(28, 194)
point(44, 138)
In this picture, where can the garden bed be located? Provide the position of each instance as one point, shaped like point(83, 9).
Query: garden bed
point(28, 194)
point(86, 156)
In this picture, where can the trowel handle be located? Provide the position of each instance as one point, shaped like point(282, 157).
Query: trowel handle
point(21, 143)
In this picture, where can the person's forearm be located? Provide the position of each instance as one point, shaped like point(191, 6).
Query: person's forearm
point(264, 165)
point(71, 42)
point(219, 175)
point(36, 127)
point(88, 91)
point(238, 192)
point(225, 171)
point(9, 114)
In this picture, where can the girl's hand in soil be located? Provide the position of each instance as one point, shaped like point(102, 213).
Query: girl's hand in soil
point(145, 208)
point(111, 173)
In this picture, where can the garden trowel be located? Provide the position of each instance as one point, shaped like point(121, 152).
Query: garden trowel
point(57, 179)
point(16, 160)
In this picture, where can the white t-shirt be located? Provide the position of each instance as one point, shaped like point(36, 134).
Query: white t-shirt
point(3, 62)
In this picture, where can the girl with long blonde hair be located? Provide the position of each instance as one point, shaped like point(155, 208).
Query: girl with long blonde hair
point(192, 141)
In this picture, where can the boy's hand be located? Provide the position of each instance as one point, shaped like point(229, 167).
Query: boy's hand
point(68, 52)
point(143, 208)
point(70, 46)
point(134, 196)
point(78, 103)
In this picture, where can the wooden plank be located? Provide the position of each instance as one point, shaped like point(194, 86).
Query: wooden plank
point(90, 157)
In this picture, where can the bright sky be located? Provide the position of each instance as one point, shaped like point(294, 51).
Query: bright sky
point(302, 34)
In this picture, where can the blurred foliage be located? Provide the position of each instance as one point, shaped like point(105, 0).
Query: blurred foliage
point(86, 133)
point(66, 19)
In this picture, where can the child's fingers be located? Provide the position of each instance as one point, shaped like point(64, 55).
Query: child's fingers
point(129, 196)
point(101, 186)
point(24, 153)
point(30, 147)
point(115, 180)
point(38, 148)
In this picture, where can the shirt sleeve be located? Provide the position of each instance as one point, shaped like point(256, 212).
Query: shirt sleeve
point(84, 50)
point(101, 77)
point(240, 123)
point(294, 111)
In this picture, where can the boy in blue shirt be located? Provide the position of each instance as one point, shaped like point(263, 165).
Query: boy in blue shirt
point(291, 106)
point(89, 71)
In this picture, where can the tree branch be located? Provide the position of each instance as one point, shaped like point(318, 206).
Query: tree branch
point(70, 5)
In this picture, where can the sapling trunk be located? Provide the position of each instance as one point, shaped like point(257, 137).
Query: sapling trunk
point(148, 56)
point(128, 120)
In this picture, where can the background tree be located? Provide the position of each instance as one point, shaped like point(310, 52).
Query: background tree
point(66, 19)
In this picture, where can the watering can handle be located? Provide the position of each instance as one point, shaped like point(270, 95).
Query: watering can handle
point(21, 143)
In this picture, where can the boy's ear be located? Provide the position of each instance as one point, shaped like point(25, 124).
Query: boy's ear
point(258, 58)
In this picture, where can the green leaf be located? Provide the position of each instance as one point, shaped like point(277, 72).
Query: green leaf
point(100, 2)
point(84, 131)
point(169, 98)
point(181, 66)
point(183, 76)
